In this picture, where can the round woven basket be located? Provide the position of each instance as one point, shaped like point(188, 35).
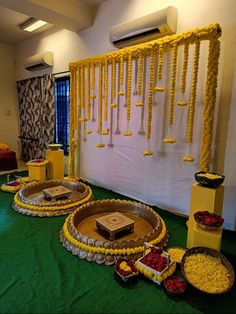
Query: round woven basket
point(207, 182)
point(214, 253)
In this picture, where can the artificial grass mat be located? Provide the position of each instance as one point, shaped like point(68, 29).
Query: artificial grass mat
point(38, 275)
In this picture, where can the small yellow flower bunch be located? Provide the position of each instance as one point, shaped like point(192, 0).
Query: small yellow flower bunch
point(147, 153)
point(127, 133)
point(105, 132)
point(182, 103)
point(113, 105)
point(159, 89)
point(169, 140)
point(188, 158)
point(100, 145)
point(139, 104)
point(81, 119)
point(88, 131)
point(124, 266)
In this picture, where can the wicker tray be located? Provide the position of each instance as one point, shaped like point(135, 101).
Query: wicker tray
point(213, 253)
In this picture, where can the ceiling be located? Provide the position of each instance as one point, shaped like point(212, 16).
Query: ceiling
point(73, 15)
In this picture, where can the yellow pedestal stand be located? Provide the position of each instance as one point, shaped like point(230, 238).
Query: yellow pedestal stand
point(203, 198)
point(37, 170)
point(55, 164)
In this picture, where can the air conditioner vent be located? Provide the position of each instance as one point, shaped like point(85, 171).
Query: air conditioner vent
point(39, 61)
point(149, 27)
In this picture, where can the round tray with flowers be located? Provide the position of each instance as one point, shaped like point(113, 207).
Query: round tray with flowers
point(208, 221)
point(125, 269)
point(209, 179)
point(175, 286)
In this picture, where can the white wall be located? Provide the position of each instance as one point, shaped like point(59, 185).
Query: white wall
point(166, 181)
point(8, 107)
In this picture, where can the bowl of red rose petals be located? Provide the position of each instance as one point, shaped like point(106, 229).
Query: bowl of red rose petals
point(175, 286)
point(208, 221)
point(125, 269)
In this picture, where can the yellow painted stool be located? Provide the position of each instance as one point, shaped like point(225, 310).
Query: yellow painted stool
point(210, 199)
point(37, 169)
point(55, 157)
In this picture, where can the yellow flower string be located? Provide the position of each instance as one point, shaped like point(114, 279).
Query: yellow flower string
point(88, 92)
point(128, 100)
point(160, 62)
point(188, 157)
point(148, 152)
point(100, 100)
point(113, 84)
point(169, 138)
point(121, 80)
point(140, 81)
point(93, 96)
point(106, 90)
point(71, 161)
point(209, 103)
point(82, 85)
point(184, 75)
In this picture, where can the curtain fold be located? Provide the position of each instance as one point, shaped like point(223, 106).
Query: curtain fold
point(36, 115)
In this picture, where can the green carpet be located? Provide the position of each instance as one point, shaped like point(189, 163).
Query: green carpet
point(38, 275)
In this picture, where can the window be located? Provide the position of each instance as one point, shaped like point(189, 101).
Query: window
point(62, 112)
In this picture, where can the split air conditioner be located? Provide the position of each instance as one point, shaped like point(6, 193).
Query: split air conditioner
point(148, 27)
point(39, 61)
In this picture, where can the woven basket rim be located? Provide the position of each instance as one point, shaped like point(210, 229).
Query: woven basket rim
point(214, 253)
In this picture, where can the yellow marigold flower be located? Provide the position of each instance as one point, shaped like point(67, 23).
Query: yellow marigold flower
point(182, 103)
point(100, 145)
point(159, 89)
point(147, 153)
point(127, 133)
point(188, 158)
point(113, 105)
point(139, 104)
point(169, 140)
point(88, 131)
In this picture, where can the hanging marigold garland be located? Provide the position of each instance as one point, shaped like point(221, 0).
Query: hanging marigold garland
point(148, 152)
point(188, 157)
point(128, 97)
point(211, 32)
point(105, 107)
point(71, 161)
point(121, 80)
point(139, 103)
point(113, 84)
point(209, 103)
point(170, 139)
point(183, 102)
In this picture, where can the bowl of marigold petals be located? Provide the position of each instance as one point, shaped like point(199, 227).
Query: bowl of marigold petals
point(175, 286)
point(209, 179)
point(125, 269)
point(208, 221)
